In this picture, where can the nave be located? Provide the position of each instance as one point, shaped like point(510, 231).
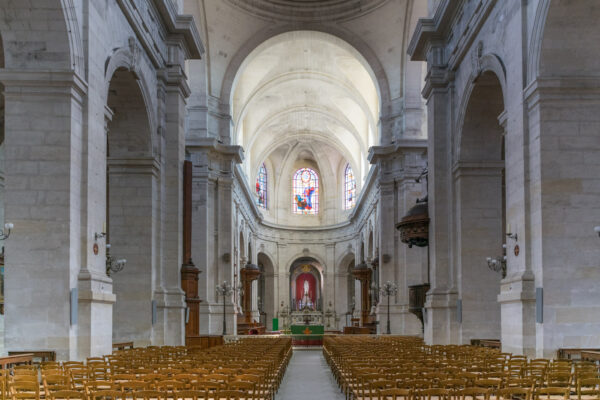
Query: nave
point(346, 367)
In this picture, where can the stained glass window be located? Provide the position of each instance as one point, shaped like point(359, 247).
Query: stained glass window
point(349, 188)
point(305, 192)
point(261, 187)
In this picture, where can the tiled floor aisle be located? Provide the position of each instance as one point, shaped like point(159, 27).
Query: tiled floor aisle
point(308, 377)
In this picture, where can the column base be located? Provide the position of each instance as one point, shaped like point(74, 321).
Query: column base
point(211, 319)
point(402, 322)
point(517, 311)
point(170, 327)
point(441, 325)
point(95, 303)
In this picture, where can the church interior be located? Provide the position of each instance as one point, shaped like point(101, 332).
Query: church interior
point(335, 199)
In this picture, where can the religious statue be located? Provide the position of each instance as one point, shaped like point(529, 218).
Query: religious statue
point(306, 301)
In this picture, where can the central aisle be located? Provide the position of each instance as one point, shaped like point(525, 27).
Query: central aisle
point(308, 377)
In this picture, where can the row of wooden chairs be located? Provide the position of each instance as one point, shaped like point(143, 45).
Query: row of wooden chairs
point(368, 368)
point(250, 369)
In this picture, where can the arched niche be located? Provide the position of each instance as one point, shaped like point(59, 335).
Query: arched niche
point(306, 278)
point(480, 208)
point(132, 182)
point(267, 288)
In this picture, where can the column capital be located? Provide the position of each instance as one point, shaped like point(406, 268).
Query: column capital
point(19, 83)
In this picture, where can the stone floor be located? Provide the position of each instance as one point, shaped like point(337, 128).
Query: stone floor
point(308, 377)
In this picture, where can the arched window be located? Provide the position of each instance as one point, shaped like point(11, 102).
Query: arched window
point(349, 188)
point(261, 187)
point(305, 192)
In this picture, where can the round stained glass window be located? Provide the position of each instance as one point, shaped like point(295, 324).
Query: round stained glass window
point(306, 176)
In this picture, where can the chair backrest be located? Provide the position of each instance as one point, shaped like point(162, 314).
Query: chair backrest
point(395, 394)
point(170, 385)
point(133, 386)
point(510, 393)
point(230, 395)
point(548, 392)
point(475, 393)
point(190, 395)
point(67, 395)
point(428, 394)
point(149, 395)
point(106, 395)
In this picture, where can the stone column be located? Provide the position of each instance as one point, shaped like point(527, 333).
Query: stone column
point(95, 306)
point(169, 296)
point(398, 165)
point(213, 227)
point(43, 142)
point(441, 326)
point(328, 294)
point(564, 166)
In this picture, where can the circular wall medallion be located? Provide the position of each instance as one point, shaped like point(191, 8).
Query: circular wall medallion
point(95, 249)
point(517, 250)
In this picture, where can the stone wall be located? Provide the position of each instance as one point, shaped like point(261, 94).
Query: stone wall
point(549, 142)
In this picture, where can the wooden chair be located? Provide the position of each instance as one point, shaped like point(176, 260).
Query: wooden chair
point(474, 393)
point(53, 383)
point(247, 387)
point(96, 386)
point(209, 388)
point(559, 379)
point(149, 395)
point(588, 387)
point(24, 390)
point(132, 386)
point(434, 393)
point(106, 395)
point(395, 394)
point(189, 395)
point(231, 395)
point(67, 395)
point(552, 392)
point(523, 393)
point(170, 386)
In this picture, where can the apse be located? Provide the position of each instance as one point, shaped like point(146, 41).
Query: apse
point(305, 100)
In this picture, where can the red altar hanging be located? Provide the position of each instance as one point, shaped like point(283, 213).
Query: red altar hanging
point(312, 290)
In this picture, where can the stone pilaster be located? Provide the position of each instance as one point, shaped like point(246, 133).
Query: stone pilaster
point(43, 142)
point(169, 296)
point(441, 325)
point(213, 227)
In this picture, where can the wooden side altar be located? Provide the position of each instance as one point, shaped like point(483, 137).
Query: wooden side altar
point(246, 325)
point(363, 274)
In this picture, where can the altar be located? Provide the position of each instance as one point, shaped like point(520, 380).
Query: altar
point(307, 335)
point(306, 318)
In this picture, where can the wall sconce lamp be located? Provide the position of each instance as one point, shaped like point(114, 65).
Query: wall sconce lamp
point(5, 233)
point(597, 229)
point(498, 264)
point(511, 235)
point(113, 265)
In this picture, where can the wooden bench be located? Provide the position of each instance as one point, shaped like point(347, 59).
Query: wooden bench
point(38, 355)
point(122, 345)
point(6, 362)
point(491, 343)
point(204, 341)
point(574, 354)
